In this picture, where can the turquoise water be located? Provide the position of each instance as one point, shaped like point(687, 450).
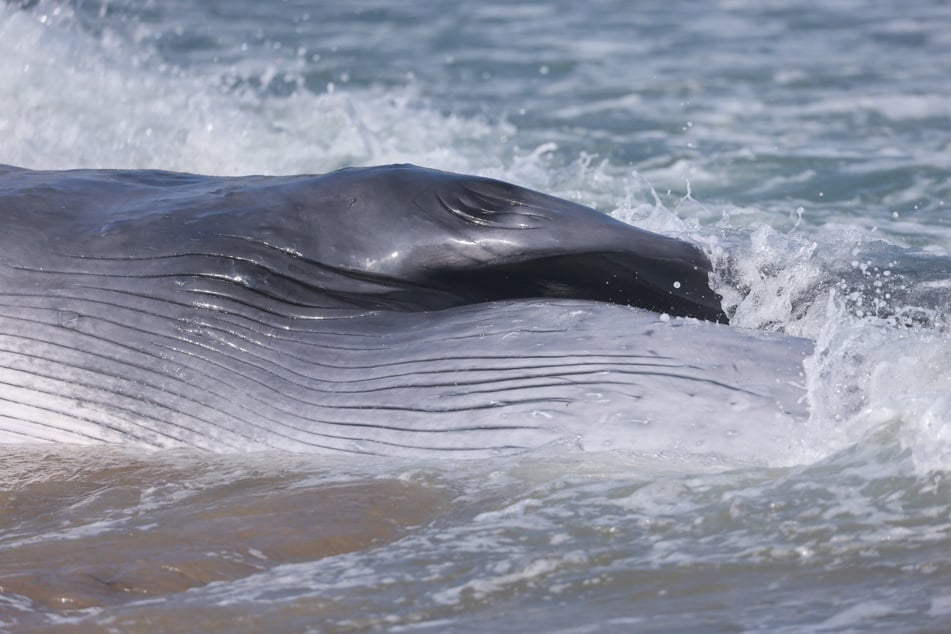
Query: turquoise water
point(805, 146)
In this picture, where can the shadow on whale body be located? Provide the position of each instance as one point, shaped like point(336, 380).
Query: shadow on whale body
point(388, 310)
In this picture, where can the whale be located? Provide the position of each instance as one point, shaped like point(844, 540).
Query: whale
point(392, 310)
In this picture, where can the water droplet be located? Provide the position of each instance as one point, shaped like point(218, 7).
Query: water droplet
point(68, 319)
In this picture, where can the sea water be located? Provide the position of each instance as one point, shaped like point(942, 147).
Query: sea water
point(805, 146)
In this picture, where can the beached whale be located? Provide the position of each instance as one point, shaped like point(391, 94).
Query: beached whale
point(387, 310)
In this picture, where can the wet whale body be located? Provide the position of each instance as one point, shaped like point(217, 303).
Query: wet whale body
point(389, 310)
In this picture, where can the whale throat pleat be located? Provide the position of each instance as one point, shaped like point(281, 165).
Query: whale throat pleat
point(235, 372)
point(167, 360)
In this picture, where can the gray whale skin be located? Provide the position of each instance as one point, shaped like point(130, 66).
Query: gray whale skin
point(388, 310)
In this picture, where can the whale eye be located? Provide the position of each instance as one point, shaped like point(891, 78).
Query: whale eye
point(492, 204)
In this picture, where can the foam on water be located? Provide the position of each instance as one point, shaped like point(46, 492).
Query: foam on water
point(866, 376)
point(534, 532)
point(60, 84)
point(883, 354)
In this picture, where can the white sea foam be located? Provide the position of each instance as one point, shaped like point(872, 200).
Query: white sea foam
point(73, 100)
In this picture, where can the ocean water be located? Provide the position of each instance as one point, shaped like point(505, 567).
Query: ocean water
point(806, 146)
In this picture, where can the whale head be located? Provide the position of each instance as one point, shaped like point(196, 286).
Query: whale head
point(464, 239)
point(395, 237)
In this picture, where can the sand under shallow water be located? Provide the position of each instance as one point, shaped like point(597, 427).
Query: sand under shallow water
point(133, 526)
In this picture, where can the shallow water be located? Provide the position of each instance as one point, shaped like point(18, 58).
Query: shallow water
point(803, 145)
